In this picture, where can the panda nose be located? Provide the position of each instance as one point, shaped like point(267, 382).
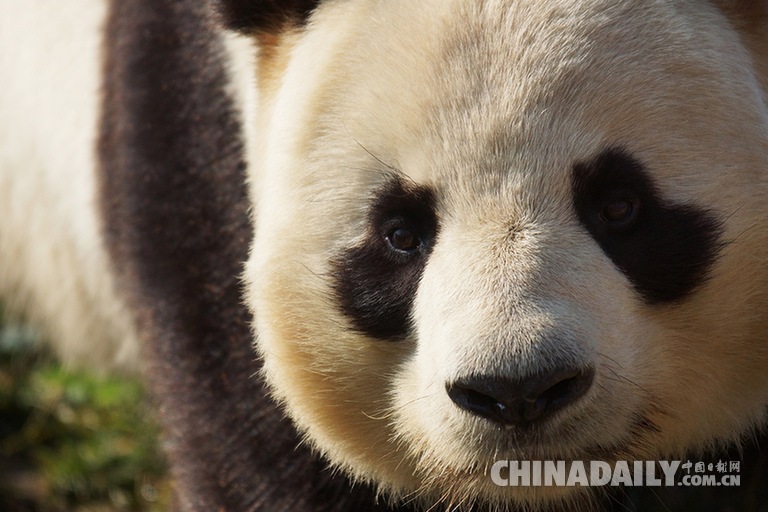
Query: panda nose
point(521, 402)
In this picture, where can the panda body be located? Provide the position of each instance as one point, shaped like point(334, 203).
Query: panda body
point(463, 232)
point(49, 105)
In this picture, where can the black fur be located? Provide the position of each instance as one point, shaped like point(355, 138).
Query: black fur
point(376, 283)
point(175, 216)
point(666, 249)
point(250, 16)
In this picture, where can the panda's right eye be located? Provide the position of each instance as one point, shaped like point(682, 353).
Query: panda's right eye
point(377, 278)
point(619, 209)
point(403, 240)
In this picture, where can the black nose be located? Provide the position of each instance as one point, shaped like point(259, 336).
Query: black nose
point(521, 402)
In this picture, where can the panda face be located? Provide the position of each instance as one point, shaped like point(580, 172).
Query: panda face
point(511, 230)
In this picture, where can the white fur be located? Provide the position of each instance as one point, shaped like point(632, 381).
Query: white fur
point(492, 103)
point(54, 267)
point(53, 263)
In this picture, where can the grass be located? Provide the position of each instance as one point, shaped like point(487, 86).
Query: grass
point(71, 440)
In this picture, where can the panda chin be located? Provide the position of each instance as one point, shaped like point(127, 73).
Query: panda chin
point(466, 477)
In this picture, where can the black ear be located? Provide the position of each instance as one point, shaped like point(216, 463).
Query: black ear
point(746, 13)
point(253, 16)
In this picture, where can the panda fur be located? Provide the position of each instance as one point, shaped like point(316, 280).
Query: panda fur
point(49, 105)
point(110, 209)
point(423, 194)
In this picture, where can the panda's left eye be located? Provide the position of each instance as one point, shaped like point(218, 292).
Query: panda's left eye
point(664, 248)
point(403, 240)
point(620, 209)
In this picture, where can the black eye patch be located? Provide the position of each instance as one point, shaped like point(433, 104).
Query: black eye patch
point(376, 281)
point(665, 249)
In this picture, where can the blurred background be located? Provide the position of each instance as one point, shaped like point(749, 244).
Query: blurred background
point(71, 440)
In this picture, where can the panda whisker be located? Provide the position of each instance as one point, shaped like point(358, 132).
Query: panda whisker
point(602, 387)
point(621, 378)
point(418, 399)
point(743, 232)
point(617, 377)
point(616, 501)
point(410, 498)
point(390, 167)
point(445, 499)
point(371, 170)
point(312, 272)
point(659, 500)
point(614, 361)
point(734, 212)
point(382, 417)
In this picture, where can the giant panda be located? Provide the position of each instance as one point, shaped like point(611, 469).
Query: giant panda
point(369, 248)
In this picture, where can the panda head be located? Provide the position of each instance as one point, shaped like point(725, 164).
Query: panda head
point(509, 230)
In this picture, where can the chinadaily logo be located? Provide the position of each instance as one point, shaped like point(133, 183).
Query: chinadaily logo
point(598, 473)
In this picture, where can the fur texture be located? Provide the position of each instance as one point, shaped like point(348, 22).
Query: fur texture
point(53, 263)
point(494, 106)
point(175, 204)
point(426, 193)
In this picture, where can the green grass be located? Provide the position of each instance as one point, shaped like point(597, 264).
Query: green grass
point(71, 440)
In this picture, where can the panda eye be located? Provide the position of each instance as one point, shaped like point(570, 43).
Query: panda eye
point(378, 277)
point(403, 240)
point(665, 249)
point(620, 209)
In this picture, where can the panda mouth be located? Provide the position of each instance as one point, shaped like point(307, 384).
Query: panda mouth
point(566, 441)
point(634, 443)
point(632, 446)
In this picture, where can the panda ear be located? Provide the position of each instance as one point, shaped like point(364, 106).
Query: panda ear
point(745, 12)
point(750, 18)
point(263, 16)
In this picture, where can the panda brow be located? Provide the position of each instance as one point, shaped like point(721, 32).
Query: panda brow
point(392, 173)
point(391, 168)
